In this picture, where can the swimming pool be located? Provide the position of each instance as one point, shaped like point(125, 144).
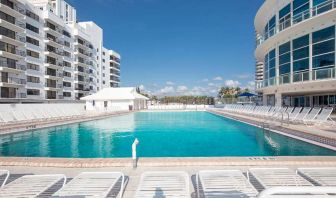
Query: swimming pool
point(161, 134)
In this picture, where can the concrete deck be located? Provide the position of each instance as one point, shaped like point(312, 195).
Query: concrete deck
point(189, 165)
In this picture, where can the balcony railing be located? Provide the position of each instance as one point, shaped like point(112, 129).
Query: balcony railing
point(11, 80)
point(59, 41)
point(14, 51)
point(301, 77)
point(312, 12)
point(13, 66)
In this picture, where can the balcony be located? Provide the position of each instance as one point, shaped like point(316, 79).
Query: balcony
point(53, 75)
point(12, 82)
point(55, 42)
point(12, 53)
point(53, 65)
point(56, 53)
point(17, 25)
point(16, 10)
point(54, 31)
point(18, 40)
point(15, 68)
point(301, 77)
point(53, 86)
point(296, 19)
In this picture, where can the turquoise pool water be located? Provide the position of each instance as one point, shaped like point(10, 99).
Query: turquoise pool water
point(161, 134)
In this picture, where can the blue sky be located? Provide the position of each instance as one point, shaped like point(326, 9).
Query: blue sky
point(178, 47)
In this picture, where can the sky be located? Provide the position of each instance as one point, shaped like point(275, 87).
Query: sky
point(178, 47)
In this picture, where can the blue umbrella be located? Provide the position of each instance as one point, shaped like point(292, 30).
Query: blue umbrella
point(246, 94)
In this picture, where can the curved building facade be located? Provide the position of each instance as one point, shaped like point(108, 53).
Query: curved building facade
point(296, 43)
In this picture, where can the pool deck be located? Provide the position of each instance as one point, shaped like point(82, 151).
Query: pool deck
point(189, 165)
point(29, 126)
point(324, 136)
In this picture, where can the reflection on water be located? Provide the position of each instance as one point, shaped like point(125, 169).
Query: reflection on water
point(161, 134)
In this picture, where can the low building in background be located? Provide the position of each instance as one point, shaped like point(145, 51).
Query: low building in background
point(116, 99)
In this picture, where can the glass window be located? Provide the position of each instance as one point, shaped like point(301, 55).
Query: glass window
point(285, 58)
point(325, 34)
point(301, 42)
point(284, 48)
point(301, 65)
point(301, 53)
point(324, 60)
point(284, 11)
point(272, 73)
point(284, 69)
point(324, 47)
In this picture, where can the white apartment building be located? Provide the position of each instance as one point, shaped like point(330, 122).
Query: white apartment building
point(45, 54)
point(296, 44)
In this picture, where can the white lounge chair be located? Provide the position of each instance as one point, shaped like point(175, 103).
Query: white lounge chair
point(295, 113)
point(324, 116)
point(311, 115)
point(224, 183)
point(301, 116)
point(163, 184)
point(92, 184)
point(321, 176)
point(276, 177)
point(4, 173)
point(31, 186)
point(7, 117)
point(298, 192)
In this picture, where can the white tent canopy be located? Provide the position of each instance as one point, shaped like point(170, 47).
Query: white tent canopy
point(125, 93)
point(111, 99)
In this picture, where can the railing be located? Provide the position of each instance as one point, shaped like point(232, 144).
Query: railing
point(11, 80)
point(314, 11)
point(19, 9)
point(20, 24)
point(15, 51)
point(15, 66)
point(55, 40)
point(306, 76)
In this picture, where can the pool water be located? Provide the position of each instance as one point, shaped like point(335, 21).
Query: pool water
point(161, 134)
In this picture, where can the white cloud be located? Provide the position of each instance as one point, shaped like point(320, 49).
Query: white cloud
point(244, 76)
point(211, 84)
point(232, 83)
point(142, 87)
point(205, 80)
point(167, 90)
point(169, 83)
point(218, 78)
point(181, 89)
point(251, 85)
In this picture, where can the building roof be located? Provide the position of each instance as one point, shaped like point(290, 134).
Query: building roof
point(124, 93)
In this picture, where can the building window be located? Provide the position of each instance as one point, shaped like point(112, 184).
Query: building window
point(66, 94)
point(32, 28)
point(323, 53)
point(32, 15)
point(33, 67)
point(33, 92)
point(67, 34)
point(32, 41)
point(301, 55)
point(33, 79)
point(7, 17)
point(300, 10)
point(285, 17)
point(7, 32)
point(33, 54)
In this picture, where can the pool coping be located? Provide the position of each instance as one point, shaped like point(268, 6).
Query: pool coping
point(169, 161)
point(296, 134)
